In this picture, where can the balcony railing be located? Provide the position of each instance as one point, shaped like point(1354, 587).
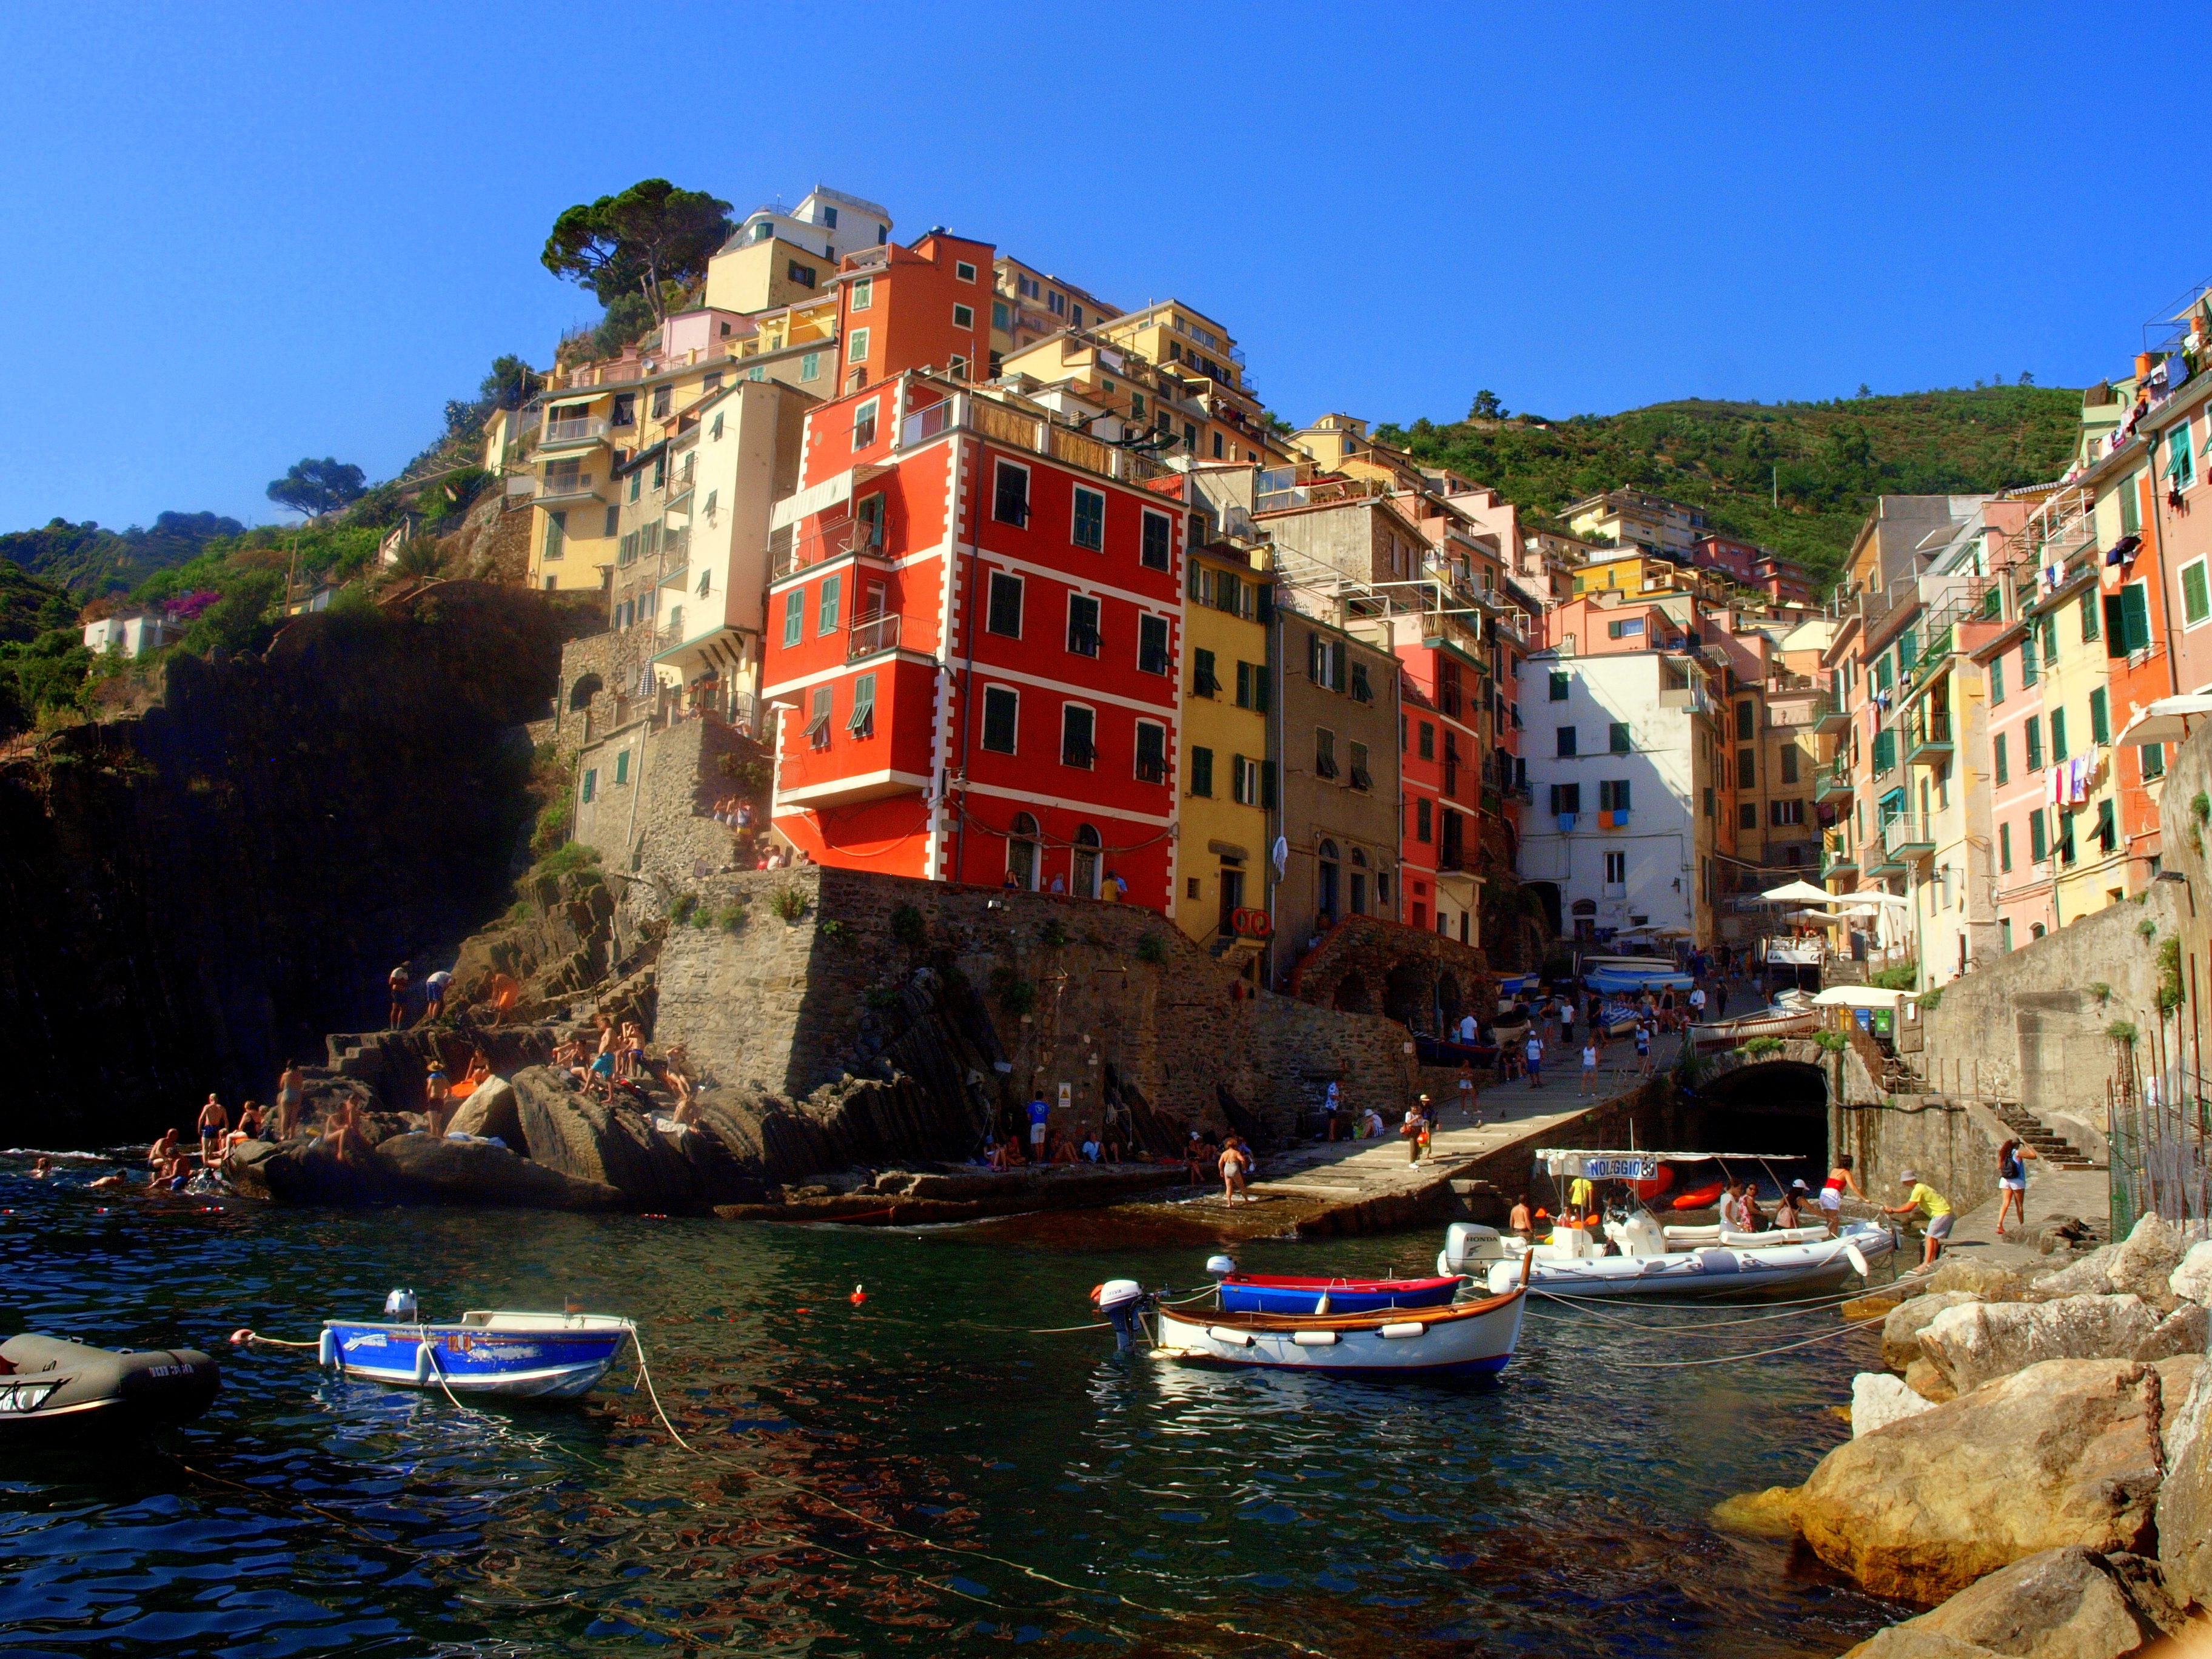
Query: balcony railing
point(834, 540)
point(871, 635)
point(1929, 740)
point(1907, 836)
point(565, 487)
point(560, 435)
point(1834, 781)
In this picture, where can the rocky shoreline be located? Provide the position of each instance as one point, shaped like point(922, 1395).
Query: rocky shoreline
point(2041, 1474)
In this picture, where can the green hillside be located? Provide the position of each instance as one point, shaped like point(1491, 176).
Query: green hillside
point(90, 560)
point(1826, 461)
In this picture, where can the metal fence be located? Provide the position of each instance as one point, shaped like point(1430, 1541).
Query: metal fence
point(2160, 1146)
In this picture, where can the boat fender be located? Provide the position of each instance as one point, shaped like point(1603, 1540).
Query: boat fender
point(422, 1363)
point(1714, 1261)
point(326, 1351)
point(1410, 1327)
point(1858, 1261)
point(1234, 1338)
point(1314, 1338)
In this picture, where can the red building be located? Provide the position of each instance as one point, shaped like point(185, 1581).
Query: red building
point(973, 639)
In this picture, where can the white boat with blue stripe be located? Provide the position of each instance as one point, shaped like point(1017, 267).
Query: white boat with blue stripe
point(528, 1356)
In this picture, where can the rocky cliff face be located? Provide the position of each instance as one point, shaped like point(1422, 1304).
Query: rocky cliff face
point(198, 893)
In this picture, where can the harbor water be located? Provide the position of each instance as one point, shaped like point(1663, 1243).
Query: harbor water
point(936, 1467)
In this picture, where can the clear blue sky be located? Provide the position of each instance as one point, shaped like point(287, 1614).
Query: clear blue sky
point(244, 236)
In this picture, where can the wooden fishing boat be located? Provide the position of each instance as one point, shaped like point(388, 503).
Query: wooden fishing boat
point(1257, 1293)
point(535, 1356)
point(1460, 1339)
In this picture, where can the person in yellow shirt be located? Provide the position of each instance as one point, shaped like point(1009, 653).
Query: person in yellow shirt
point(1581, 1196)
point(1925, 1197)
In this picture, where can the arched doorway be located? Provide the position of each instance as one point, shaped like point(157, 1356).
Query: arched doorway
point(1586, 920)
point(1547, 895)
point(1351, 996)
point(1325, 889)
point(1022, 853)
point(1408, 995)
point(1449, 1006)
point(586, 687)
point(1358, 881)
point(1084, 880)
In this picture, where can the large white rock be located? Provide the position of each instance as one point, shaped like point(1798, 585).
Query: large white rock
point(2184, 1330)
point(1879, 1399)
point(2184, 1500)
point(1902, 1324)
point(2192, 1281)
point(2145, 1262)
point(2090, 1276)
point(2061, 1604)
point(1977, 1343)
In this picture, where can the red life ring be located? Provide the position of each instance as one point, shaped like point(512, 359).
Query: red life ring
point(1250, 923)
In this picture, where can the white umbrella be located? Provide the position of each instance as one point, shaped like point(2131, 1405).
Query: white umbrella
point(1798, 892)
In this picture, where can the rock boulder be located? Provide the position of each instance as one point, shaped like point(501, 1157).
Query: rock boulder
point(2061, 1604)
point(2065, 1452)
point(1974, 1343)
point(492, 1109)
point(2184, 1502)
point(617, 1146)
point(477, 1172)
point(1879, 1399)
point(1988, 1282)
point(2090, 1276)
point(2191, 1280)
point(1900, 1330)
point(2142, 1264)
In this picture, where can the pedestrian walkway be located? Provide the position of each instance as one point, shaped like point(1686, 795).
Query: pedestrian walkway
point(2086, 1195)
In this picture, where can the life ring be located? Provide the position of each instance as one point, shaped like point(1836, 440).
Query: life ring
point(1249, 923)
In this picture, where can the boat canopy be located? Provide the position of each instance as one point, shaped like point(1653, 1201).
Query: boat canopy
point(1616, 980)
point(1620, 1163)
point(1862, 996)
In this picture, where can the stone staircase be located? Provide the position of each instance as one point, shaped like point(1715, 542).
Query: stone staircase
point(2055, 1151)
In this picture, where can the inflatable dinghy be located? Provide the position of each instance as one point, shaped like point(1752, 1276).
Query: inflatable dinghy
point(51, 1386)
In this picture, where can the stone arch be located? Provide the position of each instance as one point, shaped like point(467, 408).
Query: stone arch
point(1450, 1003)
point(1409, 993)
point(586, 687)
point(1351, 996)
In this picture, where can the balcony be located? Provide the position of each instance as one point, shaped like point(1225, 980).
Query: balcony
point(557, 487)
point(864, 537)
point(675, 558)
point(1834, 782)
point(1835, 861)
point(1828, 716)
point(870, 636)
point(571, 434)
point(1906, 837)
point(1929, 742)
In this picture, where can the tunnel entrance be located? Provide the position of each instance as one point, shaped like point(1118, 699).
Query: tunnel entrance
point(1778, 1108)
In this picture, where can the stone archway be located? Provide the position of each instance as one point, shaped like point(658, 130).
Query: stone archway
point(1450, 1003)
point(1409, 993)
point(586, 687)
point(1351, 996)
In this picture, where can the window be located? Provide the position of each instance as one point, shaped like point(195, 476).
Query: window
point(1624, 627)
point(1566, 740)
point(1747, 769)
point(1252, 686)
point(1324, 752)
point(1152, 644)
point(1744, 726)
point(2154, 760)
point(1559, 686)
point(2050, 625)
point(2127, 621)
point(2004, 846)
point(1996, 678)
point(1423, 819)
point(864, 423)
point(963, 270)
point(856, 347)
point(1747, 816)
point(625, 408)
point(591, 784)
point(2028, 675)
point(2034, 742)
point(1612, 795)
point(1083, 625)
point(963, 317)
point(2087, 611)
point(557, 537)
point(1325, 662)
point(1428, 741)
point(1997, 752)
point(2108, 836)
point(1360, 778)
point(1158, 538)
point(1201, 771)
point(809, 366)
point(1246, 782)
point(817, 723)
point(1362, 690)
point(1789, 762)
point(1001, 705)
point(2057, 736)
point(825, 613)
point(706, 581)
point(1003, 613)
point(2039, 844)
point(864, 294)
point(1566, 799)
point(794, 616)
point(1709, 800)
point(802, 275)
point(1001, 318)
point(613, 521)
point(2196, 598)
point(2004, 934)
point(863, 721)
point(1010, 495)
point(1077, 728)
point(663, 397)
point(1786, 814)
point(2100, 719)
point(2180, 464)
point(1089, 529)
point(1204, 682)
point(1616, 869)
point(621, 768)
point(1152, 752)
point(1617, 738)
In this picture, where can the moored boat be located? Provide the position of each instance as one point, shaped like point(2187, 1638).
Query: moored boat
point(52, 1387)
point(1649, 1263)
point(1459, 1339)
point(535, 1356)
point(1257, 1293)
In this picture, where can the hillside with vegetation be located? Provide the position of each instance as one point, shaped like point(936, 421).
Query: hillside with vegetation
point(89, 560)
point(1796, 477)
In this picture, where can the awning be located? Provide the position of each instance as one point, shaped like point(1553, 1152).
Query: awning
point(2166, 720)
point(1798, 892)
point(1607, 980)
point(819, 498)
point(1861, 996)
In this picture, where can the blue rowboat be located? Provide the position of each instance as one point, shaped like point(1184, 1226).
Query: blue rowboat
point(1256, 1293)
point(531, 1356)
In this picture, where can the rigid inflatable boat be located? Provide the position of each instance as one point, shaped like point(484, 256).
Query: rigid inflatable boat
point(51, 1387)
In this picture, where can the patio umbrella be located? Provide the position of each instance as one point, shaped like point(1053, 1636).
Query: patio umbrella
point(1798, 892)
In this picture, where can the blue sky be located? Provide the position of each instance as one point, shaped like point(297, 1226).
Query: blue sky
point(247, 236)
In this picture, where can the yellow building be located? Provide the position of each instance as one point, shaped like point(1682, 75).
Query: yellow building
point(1223, 853)
point(1215, 413)
point(1635, 572)
point(1028, 304)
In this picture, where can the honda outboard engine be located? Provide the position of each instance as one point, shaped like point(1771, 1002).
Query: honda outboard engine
point(1122, 1301)
point(400, 1304)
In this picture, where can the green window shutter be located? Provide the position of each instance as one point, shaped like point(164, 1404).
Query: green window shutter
point(1558, 687)
point(2028, 675)
point(1997, 680)
point(2135, 605)
point(2130, 507)
point(2038, 845)
point(2100, 724)
point(2004, 846)
point(2057, 736)
point(2034, 744)
point(2116, 627)
point(1266, 783)
point(1201, 772)
point(1884, 749)
point(1908, 652)
point(2088, 609)
point(1337, 660)
point(1997, 750)
point(2154, 761)
point(2196, 600)
point(2108, 832)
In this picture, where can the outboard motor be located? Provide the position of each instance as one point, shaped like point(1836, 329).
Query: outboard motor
point(1122, 1301)
point(1220, 1267)
point(400, 1304)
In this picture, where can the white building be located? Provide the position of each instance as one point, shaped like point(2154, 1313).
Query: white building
point(825, 221)
point(1621, 758)
point(134, 634)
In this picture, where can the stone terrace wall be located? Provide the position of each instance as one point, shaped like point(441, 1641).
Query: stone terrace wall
point(789, 1009)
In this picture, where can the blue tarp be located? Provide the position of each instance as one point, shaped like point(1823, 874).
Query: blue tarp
point(1610, 980)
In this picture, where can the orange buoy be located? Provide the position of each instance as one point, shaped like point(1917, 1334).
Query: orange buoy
point(859, 1296)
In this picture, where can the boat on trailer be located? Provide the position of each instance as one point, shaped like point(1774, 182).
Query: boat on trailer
point(517, 1355)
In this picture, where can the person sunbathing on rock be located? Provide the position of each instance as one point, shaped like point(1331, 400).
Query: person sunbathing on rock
point(342, 1137)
